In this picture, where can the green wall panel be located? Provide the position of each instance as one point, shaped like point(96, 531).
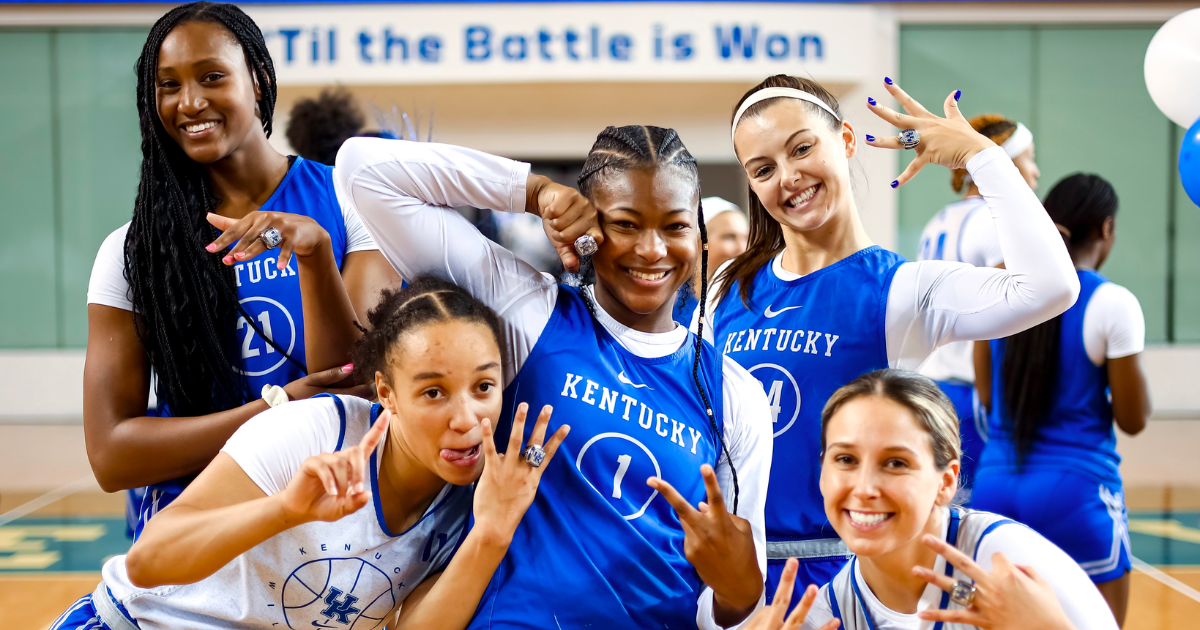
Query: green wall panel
point(992, 67)
point(28, 317)
point(1187, 259)
point(1089, 85)
point(99, 155)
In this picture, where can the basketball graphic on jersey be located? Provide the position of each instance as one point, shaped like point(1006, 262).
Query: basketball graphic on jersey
point(274, 320)
point(617, 466)
point(783, 395)
point(344, 593)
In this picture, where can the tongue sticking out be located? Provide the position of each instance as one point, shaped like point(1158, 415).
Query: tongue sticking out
point(460, 455)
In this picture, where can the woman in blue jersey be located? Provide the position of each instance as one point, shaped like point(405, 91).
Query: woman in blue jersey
point(889, 472)
point(223, 331)
point(652, 515)
point(301, 520)
point(813, 303)
point(1055, 391)
point(964, 232)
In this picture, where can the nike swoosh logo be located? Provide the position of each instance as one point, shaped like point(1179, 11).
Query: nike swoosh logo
point(625, 379)
point(770, 314)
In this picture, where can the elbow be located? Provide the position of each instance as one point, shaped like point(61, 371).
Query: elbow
point(1062, 296)
point(108, 473)
point(140, 568)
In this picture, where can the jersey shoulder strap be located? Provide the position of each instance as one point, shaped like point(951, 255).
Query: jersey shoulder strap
point(844, 603)
point(974, 526)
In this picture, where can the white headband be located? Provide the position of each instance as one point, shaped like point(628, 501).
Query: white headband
point(778, 92)
point(714, 206)
point(1018, 141)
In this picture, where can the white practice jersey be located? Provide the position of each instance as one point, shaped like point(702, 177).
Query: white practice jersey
point(352, 573)
point(962, 232)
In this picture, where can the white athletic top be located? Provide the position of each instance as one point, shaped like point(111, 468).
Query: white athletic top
point(1113, 324)
point(1083, 604)
point(318, 574)
point(405, 193)
point(963, 231)
point(935, 302)
point(109, 287)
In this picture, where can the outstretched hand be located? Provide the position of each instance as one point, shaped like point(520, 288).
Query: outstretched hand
point(949, 141)
point(330, 486)
point(719, 545)
point(302, 236)
point(771, 617)
point(566, 215)
point(1011, 597)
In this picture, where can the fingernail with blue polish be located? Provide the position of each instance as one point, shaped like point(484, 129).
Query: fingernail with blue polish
point(870, 100)
point(870, 138)
point(957, 93)
point(895, 183)
point(887, 80)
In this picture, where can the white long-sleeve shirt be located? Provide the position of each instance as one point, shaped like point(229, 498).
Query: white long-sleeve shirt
point(935, 302)
point(405, 193)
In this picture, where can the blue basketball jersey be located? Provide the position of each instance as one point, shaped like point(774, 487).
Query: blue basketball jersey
point(1078, 429)
point(803, 339)
point(271, 298)
point(685, 306)
point(599, 548)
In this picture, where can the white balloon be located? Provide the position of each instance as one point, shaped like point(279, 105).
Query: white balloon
point(1172, 68)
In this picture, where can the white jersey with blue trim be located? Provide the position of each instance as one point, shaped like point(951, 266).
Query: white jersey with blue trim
point(962, 232)
point(979, 535)
point(349, 573)
point(405, 193)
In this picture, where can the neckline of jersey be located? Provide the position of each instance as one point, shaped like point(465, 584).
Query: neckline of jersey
point(774, 277)
point(275, 194)
point(599, 324)
point(438, 501)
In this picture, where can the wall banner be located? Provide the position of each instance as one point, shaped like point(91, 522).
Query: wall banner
point(497, 43)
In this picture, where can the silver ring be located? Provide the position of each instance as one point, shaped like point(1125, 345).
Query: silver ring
point(910, 138)
point(586, 245)
point(271, 238)
point(963, 593)
point(534, 455)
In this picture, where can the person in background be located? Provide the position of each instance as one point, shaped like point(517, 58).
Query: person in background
point(1053, 396)
point(964, 231)
point(317, 127)
point(727, 232)
point(240, 280)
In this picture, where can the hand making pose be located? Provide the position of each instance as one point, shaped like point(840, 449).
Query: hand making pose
point(813, 303)
point(600, 547)
point(333, 511)
point(203, 287)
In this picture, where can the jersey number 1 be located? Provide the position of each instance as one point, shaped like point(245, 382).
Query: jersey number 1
point(623, 461)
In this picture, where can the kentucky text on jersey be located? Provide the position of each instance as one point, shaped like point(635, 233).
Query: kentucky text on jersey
point(647, 418)
point(267, 268)
point(786, 340)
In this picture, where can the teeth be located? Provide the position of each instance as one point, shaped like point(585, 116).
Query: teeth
point(200, 127)
point(647, 276)
point(865, 519)
point(802, 197)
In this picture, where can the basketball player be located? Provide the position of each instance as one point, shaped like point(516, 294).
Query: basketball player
point(964, 232)
point(1055, 392)
point(601, 546)
point(889, 472)
point(300, 519)
point(813, 303)
point(224, 330)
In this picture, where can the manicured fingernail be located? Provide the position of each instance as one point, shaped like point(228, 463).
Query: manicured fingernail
point(349, 367)
point(228, 260)
point(211, 248)
point(887, 80)
point(895, 183)
point(870, 100)
point(240, 255)
point(957, 93)
point(359, 487)
point(870, 138)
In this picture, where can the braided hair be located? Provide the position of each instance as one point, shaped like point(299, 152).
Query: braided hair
point(427, 300)
point(620, 149)
point(187, 302)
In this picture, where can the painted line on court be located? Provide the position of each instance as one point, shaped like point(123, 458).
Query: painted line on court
point(1158, 575)
point(46, 499)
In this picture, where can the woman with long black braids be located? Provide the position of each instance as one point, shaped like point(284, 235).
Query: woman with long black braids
point(652, 518)
point(222, 327)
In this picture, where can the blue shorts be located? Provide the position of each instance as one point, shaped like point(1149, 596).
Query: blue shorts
point(82, 615)
point(817, 571)
point(972, 421)
point(1086, 518)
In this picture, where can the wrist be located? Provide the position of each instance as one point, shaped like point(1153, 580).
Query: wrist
point(727, 613)
point(282, 514)
point(492, 537)
point(534, 184)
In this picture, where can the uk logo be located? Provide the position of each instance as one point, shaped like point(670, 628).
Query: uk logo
point(343, 593)
point(340, 608)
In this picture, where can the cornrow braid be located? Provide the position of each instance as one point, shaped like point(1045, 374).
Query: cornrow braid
point(619, 149)
point(185, 303)
point(426, 300)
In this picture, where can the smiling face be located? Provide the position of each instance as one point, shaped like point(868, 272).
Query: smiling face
point(879, 478)
point(651, 237)
point(207, 97)
point(443, 380)
point(796, 165)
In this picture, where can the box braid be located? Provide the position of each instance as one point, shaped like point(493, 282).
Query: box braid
point(187, 300)
point(633, 147)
